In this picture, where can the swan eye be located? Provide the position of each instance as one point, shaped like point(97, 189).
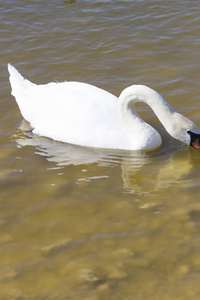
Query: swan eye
point(194, 140)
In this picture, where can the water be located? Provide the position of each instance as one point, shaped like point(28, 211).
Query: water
point(80, 223)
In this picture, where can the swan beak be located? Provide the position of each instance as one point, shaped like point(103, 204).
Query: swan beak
point(196, 144)
point(195, 140)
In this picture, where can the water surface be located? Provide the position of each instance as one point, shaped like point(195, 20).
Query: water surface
point(79, 223)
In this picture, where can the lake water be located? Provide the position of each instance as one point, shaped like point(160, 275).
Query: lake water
point(89, 224)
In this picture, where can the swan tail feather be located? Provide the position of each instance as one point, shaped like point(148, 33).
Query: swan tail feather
point(17, 81)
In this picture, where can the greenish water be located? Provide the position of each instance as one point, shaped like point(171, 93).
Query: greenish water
point(89, 224)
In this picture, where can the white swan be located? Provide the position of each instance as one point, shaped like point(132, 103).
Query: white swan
point(82, 114)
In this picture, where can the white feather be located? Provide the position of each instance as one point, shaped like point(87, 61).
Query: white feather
point(82, 114)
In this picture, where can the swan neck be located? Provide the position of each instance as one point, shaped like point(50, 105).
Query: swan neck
point(139, 93)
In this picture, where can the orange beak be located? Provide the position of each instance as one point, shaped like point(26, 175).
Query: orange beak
point(196, 144)
point(195, 140)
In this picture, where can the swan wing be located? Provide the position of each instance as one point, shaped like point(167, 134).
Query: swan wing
point(71, 112)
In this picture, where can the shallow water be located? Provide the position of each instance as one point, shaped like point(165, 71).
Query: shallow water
point(80, 223)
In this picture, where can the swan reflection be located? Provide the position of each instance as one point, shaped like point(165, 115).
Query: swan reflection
point(142, 172)
point(156, 174)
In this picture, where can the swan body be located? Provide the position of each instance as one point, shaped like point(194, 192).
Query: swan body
point(82, 114)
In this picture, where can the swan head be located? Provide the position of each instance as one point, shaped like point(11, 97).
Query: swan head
point(184, 130)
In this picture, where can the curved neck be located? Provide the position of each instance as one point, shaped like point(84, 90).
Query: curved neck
point(140, 93)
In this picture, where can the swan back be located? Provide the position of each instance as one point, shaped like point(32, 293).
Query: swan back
point(72, 112)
